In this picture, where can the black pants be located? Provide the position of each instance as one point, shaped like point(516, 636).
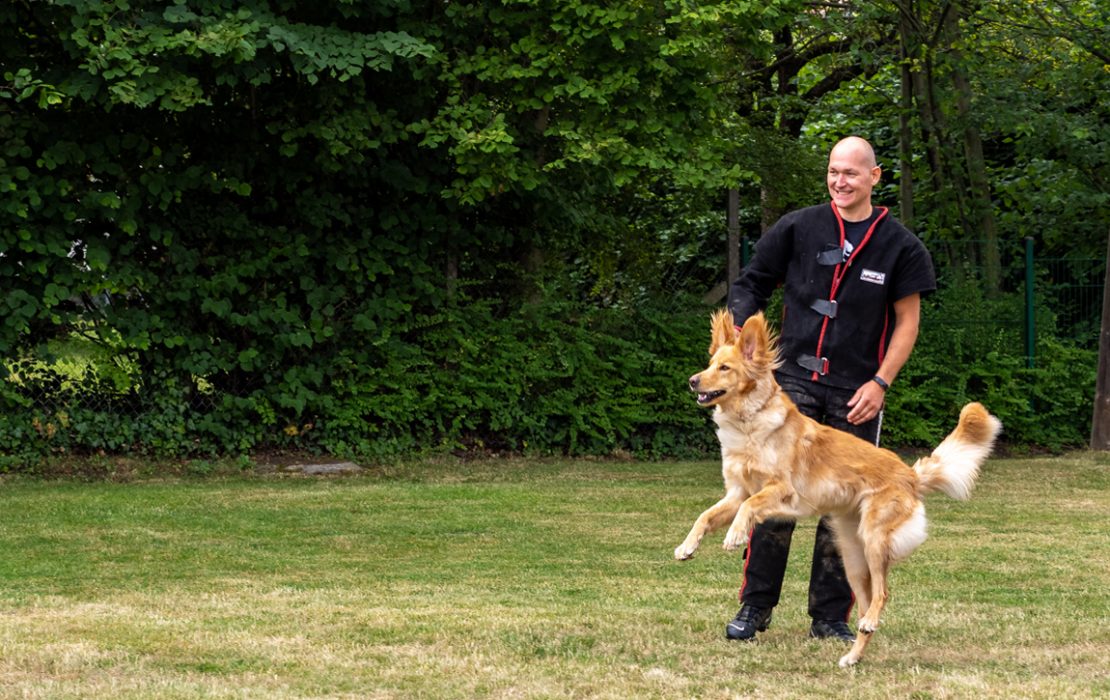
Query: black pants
point(830, 596)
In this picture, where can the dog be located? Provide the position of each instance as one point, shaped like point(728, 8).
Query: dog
point(780, 464)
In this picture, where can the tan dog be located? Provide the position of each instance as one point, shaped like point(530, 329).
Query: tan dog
point(780, 464)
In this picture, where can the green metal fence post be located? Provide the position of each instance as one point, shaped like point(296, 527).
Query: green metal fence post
point(1030, 327)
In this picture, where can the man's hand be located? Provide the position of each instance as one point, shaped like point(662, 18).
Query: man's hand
point(866, 403)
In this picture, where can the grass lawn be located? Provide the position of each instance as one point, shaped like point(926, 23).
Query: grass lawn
point(525, 579)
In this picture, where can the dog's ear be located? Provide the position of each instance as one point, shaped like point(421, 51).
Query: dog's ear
point(754, 338)
point(723, 332)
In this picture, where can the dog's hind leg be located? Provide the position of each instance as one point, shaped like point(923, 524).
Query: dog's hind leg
point(851, 549)
point(850, 546)
point(878, 563)
point(714, 518)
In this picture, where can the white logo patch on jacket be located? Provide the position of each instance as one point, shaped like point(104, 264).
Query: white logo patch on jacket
point(873, 277)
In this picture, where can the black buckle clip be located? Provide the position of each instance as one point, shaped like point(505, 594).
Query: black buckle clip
point(826, 307)
point(832, 256)
point(820, 365)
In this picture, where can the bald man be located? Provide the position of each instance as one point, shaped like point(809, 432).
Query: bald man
point(852, 278)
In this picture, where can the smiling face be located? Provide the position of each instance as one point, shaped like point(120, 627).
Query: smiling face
point(852, 174)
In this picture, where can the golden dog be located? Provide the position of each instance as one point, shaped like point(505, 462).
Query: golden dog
point(780, 464)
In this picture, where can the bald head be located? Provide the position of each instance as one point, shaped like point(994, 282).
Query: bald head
point(853, 173)
point(855, 148)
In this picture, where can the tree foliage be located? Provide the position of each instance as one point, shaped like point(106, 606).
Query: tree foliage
point(261, 205)
point(1018, 77)
point(283, 222)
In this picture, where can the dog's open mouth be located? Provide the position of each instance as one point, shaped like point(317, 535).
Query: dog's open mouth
point(705, 397)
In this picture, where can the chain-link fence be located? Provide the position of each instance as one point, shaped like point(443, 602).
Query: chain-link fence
point(1051, 297)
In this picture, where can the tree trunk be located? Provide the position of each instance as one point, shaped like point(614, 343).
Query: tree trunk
point(768, 213)
point(948, 175)
point(452, 275)
point(981, 208)
point(1100, 423)
point(733, 234)
point(929, 129)
point(532, 261)
point(905, 135)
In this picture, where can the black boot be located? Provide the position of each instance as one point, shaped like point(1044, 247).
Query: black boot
point(747, 622)
point(831, 629)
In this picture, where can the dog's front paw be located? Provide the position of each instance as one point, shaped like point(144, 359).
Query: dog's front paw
point(868, 625)
point(735, 539)
point(685, 550)
point(850, 659)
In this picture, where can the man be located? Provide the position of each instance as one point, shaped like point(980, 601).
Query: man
point(852, 278)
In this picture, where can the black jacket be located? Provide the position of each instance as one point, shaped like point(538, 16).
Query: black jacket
point(841, 346)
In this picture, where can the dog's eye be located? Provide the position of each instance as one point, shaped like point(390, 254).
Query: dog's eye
point(724, 368)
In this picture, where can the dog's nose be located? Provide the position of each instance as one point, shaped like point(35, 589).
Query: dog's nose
point(694, 380)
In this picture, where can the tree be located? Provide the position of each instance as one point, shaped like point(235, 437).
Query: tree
point(1100, 422)
point(279, 198)
point(811, 51)
point(272, 211)
point(931, 37)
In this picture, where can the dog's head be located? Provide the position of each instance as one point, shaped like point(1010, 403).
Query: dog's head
point(739, 362)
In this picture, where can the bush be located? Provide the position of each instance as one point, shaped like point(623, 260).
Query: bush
point(559, 377)
point(555, 378)
point(969, 351)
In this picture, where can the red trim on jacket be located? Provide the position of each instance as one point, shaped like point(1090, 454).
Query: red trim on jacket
point(882, 338)
point(842, 269)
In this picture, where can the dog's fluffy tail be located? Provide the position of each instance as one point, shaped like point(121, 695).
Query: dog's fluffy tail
point(954, 464)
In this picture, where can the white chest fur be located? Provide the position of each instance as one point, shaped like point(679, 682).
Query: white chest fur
point(751, 446)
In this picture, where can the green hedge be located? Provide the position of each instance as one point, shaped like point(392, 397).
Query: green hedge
point(971, 348)
point(553, 378)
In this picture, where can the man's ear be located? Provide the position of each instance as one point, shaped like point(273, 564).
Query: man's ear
point(754, 338)
point(723, 332)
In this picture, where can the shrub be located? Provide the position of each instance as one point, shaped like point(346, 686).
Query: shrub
point(560, 377)
point(969, 351)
